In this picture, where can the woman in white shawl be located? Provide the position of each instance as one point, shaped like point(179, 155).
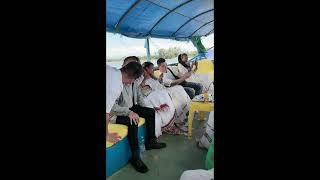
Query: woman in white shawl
point(171, 104)
point(184, 66)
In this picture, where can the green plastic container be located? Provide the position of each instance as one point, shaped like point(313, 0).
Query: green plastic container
point(209, 162)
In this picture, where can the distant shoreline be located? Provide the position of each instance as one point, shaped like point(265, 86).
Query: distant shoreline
point(113, 60)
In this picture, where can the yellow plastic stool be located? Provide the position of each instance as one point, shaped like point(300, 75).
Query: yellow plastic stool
point(197, 106)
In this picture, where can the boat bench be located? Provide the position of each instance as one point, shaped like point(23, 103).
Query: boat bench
point(119, 154)
point(205, 66)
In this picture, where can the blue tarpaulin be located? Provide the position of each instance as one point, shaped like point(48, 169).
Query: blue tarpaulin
point(171, 19)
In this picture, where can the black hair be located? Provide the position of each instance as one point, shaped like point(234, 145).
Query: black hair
point(135, 58)
point(132, 69)
point(181, 62)
point(160, 60)
point(146, 65)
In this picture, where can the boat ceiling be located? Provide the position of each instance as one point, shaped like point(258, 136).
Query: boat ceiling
point(168, 19)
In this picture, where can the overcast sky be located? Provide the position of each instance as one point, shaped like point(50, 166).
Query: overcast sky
point(119, 46)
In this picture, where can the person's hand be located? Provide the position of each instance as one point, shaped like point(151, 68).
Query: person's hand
point(113, 137)
point(187, 75)
point(107, 118)
point(195, 66)
point(134, 117)
point(107, 122)
point(161, 78)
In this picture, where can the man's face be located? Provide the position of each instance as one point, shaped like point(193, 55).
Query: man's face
point(163, 67)
point(150, 70)
point(127, 80)
point(185, 58)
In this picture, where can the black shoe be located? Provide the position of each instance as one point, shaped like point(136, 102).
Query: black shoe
point(139, 165)
point(154, 144)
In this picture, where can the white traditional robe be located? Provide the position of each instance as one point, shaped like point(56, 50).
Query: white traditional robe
point(175, 97)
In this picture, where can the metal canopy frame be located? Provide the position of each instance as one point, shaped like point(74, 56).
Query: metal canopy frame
point(168, 14)
point(209, 33)
point(125, 14)
point(123, 17)
point(201, 27)
point(191, 20)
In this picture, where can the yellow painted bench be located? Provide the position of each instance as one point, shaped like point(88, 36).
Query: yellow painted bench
point(118, 154)
point(122, 130)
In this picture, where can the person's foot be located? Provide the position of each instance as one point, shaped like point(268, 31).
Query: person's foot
point(154, 144)
point(138, 165)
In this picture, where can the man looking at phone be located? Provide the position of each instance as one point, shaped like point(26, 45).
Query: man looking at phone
point(127, 109)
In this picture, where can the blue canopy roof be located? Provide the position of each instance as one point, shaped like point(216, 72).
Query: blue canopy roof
point(171, 19)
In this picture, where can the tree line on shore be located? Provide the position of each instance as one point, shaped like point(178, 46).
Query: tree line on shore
point(169, 53)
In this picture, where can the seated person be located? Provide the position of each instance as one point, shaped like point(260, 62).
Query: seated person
point(127, 109)
point(170, 79)
point(115, 80)
point(174, 100)
point(184, 67)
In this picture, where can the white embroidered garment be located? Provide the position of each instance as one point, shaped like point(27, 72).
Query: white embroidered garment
point(160, 100)
point(178, 96)
point(181, 101)
point(157, 99)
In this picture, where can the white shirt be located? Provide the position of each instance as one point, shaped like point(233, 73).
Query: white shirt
point(154, 84)
point(182, 70)
point(168, 78)
point(139, 80)
point(114, 86)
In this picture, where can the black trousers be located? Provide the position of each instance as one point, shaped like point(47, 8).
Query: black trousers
point(149, 115)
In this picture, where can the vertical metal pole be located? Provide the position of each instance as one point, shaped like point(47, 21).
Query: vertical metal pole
point(148, 49)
